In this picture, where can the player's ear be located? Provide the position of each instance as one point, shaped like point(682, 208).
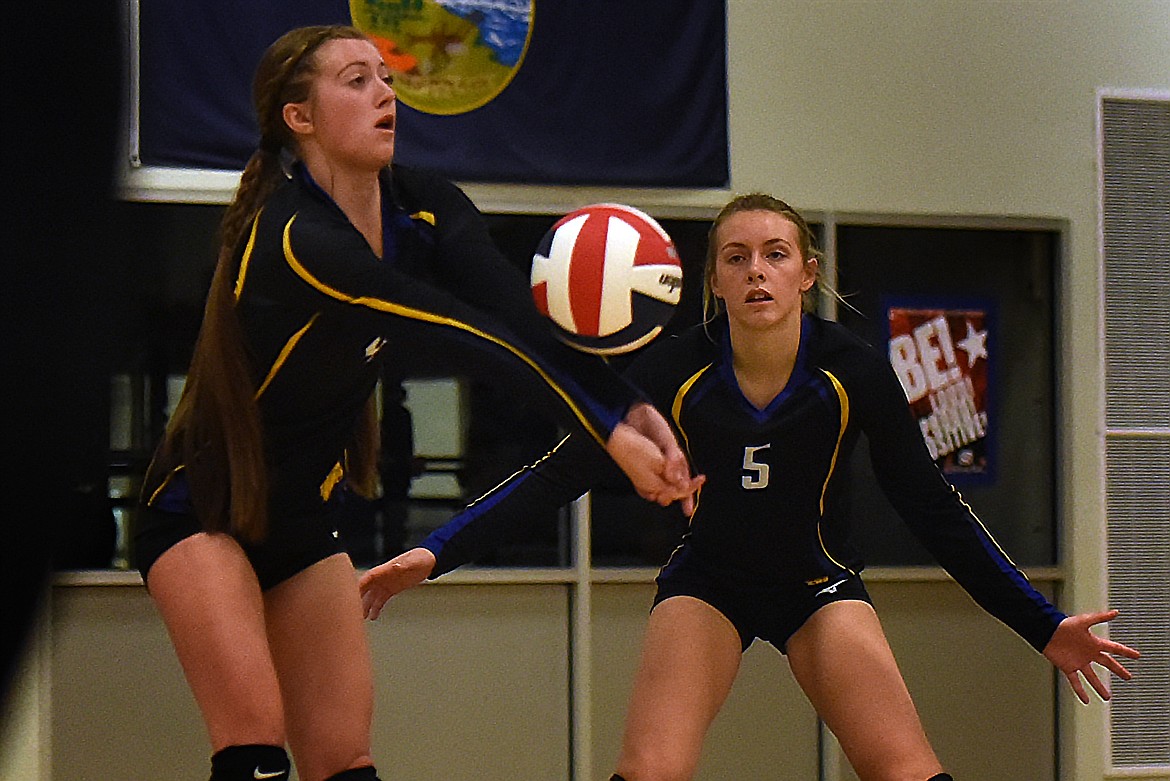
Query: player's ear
point(298, 117)
point(811, 267)
point(713, 287)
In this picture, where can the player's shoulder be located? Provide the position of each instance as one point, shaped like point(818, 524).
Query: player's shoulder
point(833, 346)
point(417, 187)
point(829, 337)
point(695, 343)
point(301, 218)
point(672, 356)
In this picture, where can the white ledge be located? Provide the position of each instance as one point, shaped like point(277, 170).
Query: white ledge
point(557, 575)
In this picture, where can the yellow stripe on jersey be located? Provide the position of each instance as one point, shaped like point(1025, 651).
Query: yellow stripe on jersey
point(331, 481)
point(166, 481)
point(843, 399)
point(676, 415)
point(676, 405)
point(247, 257)
point(381, 305)
point(284, 353)
point(424, 216)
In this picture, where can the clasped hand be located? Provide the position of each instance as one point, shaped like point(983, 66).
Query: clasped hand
point(645, 448)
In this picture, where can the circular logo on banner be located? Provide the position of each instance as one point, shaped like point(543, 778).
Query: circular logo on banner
point(447, 56)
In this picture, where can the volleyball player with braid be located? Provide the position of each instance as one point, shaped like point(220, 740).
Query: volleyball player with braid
point(331, 261)
point(770, 401)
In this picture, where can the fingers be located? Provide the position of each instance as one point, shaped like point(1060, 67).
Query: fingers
point(1099, 687)
point(1075, 681)
point(678, 471)
point(1122, 650)
point(666, 494)
point(372, 605)
point(1114, 666)
point(1101, 617)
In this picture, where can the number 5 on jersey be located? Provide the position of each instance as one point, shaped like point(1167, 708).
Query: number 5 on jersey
point(755, 472)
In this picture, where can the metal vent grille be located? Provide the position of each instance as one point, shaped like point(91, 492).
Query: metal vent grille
point(1135, 219)
point(1138, 504)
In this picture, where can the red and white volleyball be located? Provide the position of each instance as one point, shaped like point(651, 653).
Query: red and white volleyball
point(608, 276)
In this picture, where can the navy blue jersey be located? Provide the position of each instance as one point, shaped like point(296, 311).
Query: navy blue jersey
point(320, 311)
point(775, 506)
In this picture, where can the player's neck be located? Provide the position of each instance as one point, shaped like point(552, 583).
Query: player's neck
point(356, 192)
point(763, 359)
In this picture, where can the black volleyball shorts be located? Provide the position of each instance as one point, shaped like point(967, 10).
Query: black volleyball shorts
point(772, 612)
point(292, 544)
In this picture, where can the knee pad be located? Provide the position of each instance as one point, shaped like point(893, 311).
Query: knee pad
point(250, 763)
point(367, 773)
point(616, 777)
point(941, 777)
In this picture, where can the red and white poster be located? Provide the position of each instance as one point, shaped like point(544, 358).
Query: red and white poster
point(940, 355)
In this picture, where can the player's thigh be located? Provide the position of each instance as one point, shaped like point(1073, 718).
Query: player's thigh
point(319, 644)
point(690, 656)
point(842, 661)
point(209, 599)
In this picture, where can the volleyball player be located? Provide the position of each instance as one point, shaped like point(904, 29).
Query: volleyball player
point(770, 401)
point(331, 261)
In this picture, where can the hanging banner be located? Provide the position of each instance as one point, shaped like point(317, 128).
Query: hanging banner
point(607, 92)
point(940, 354)
point(448, 57)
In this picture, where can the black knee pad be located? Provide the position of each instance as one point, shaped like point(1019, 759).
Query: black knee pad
point(941, 777)
point(367, 773)
point(250, 763)
point(616, 777)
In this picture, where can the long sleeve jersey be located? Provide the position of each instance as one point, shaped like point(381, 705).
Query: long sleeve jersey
point(320, 311)
point(775, 505)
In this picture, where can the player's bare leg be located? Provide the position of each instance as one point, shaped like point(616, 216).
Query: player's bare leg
point(842, 661)
point(690, 657)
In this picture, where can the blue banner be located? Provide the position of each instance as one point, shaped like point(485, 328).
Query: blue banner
point(606, 92)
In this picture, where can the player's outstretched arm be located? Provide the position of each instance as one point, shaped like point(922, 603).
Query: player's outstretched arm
point(1074, 649)
point(645, 448)
point(406, 570)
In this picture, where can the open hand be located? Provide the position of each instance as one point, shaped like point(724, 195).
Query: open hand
point(1074, 649)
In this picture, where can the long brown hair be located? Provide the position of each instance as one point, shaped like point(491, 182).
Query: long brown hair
point(215, 430)
point(759, 202)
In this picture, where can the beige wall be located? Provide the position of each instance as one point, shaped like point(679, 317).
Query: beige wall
point(925, 107)
point(474, 684)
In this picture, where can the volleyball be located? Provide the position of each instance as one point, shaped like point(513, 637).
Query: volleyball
point(608, 277)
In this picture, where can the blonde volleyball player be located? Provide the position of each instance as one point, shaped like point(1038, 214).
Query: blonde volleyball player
point(771, 401)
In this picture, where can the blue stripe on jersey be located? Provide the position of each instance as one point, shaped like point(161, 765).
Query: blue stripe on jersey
point(438, 539)
point(1001, 559)
point(801, 373)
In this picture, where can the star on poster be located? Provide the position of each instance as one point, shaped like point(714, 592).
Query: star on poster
point(941, 357)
